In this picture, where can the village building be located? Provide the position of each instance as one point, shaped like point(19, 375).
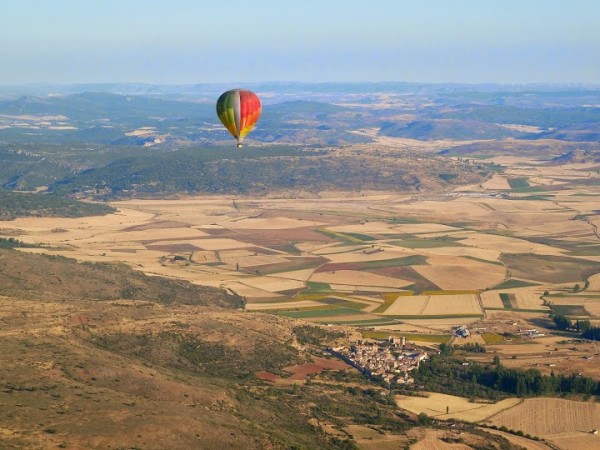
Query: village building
point(391, 360)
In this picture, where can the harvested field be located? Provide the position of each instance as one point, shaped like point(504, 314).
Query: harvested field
point(549, 417)
point(367, 228)
point(356, 278)
point(153, 235)
point(282, 305)
point(455, 273)
point(441, 324)
point(432, 305)
point(491, 299)
point(577, 441)
point(433, 441)
point(218, 244)
point(509, 244)
point(369, 439)
point(249, 291)
point(528, 298)
point(250, 260)
point(284, 264)
point(460, 408)
point(546, 354)
point(594, 281)
point(374, 264)
point(282, 236)
point(413, 337)
point(415, 228)
point(273, 284)
point(477, 254)
point(419, 283)
point(360, 255)
point(497, 182)
point(262, 247)
point(300, 275)
point(549, 269)
point(528, 444)
point(173, 248)
point(270, 223)
point(158, 224)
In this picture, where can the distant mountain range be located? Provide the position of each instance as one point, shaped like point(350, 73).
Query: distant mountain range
point(422, 113)
point(80, 137)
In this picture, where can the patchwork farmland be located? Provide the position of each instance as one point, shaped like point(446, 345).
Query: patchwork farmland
point(382, 261)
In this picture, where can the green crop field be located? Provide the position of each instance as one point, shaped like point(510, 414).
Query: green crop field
point(507, 300)
point(343, 303)
point(487, 261)
point(314, 313)
point(413, 260)
point(314, 287)
point(569, 310)
point(525, 310)
point(548, 268)
point(492, 338)
point(360, 237)
point(518, 183)
point(512, 283)
point(389, 301)
point(434, 338)
point(366, 323)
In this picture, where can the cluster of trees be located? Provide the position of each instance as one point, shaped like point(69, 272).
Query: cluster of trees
point(471, 348)
point(446, 374)
point(13, 243)
point(313, 335)
point(18, 204)
point(581, 326)
point(592, 333)
point(449, 349)
point(257, 170)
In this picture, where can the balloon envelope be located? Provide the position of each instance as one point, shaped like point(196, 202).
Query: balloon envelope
point(239, 110)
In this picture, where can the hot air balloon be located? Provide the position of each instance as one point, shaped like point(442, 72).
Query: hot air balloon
point(238, 110)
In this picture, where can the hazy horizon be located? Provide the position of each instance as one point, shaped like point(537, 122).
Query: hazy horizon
point(185, 42)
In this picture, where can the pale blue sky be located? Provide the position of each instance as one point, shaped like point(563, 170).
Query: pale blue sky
point(185, 41)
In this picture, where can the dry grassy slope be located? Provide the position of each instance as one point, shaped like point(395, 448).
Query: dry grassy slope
point(59, 391)
point(54, 277)
point(131, 373)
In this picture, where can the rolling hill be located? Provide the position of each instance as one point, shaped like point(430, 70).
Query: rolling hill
point(259, 171)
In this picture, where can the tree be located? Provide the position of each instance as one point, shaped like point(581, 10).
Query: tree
point(582, 325)
point(562, 323)
point(423, 419)
point(592, 333)
point(497, 361)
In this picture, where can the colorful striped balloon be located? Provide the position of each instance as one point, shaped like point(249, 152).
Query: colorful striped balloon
point(239, 110)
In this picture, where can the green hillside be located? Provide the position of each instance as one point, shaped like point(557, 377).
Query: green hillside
point(17, 204)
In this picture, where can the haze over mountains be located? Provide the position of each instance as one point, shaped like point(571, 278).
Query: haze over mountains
point(49, 135)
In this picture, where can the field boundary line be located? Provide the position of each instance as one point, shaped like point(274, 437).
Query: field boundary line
point(521, 401)
point(481, 305)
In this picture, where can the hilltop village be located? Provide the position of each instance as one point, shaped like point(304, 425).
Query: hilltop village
point(391, 360)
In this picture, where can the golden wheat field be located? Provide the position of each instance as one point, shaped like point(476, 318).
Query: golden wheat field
point(436, 405)
point(566, 422)
point(378, 244)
